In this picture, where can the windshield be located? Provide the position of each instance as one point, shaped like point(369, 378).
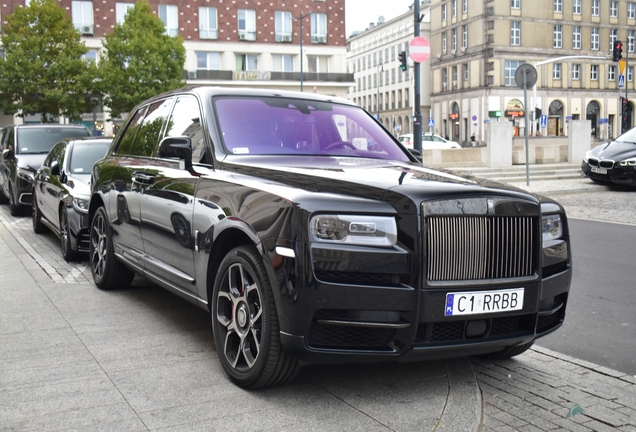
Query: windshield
point(85, 154)
point(42, 139)
point(275, 125)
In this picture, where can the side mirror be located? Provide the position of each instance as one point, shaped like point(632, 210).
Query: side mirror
point(55, 168)
point(417, 154)
point(6, 154)
point(179, 147)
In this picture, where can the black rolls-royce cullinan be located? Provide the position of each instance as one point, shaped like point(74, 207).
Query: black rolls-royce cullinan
point(312, 236)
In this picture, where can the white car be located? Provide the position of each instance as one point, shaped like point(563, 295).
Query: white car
point(429, 141)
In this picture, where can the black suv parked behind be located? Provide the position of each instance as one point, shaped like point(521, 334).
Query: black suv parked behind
point(312, 235)
point(24, 148)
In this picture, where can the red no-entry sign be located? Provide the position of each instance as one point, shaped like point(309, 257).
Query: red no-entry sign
point(419, 49)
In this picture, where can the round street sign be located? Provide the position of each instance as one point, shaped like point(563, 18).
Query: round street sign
point(531, 75)
point(419, 49)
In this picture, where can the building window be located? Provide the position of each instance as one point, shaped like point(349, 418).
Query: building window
point(83, 16)
point(120, 11)
point(614, 9)
point(283, 62)
point(630, 73)
point(558, 6)
point(247, 24)
point(556, 71)
point(594, 72)
point(631, 10)
point(246, 62)
point(576, 71)
point(557, 39)
point(613, 37)
point(466, 71)
point(576, 37)
point(319, 64)
point(490, 25)
point(283, 26)
point(454, 8)
point(208, 28)
point(594, 44)
point(515, 33)
point(576, 7)
point(510, 69)
point(630, 40)
point(169, 16)
point(454, 40)
point(465, 6)
point(611, 73)
point(90, 56)
point(464, 36)
point(375, 59)
point(444, 79)
point(444, 12)
point(515, 4)
point(392, 76)
point(596, 10)
point(319, 28)
point(208, 60)
point(444, 43)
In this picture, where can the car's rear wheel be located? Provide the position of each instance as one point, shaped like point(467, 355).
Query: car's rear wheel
point(108, 273)
point(245, 323)
point(38, 226)
point(65, 236)
point(508, 352)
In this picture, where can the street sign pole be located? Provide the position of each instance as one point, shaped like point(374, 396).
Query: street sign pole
point(526, 76)
point(417, 117)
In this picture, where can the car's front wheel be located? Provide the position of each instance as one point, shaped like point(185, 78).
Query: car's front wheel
point(65, 236)
point(38, 226)
point(14, 208)
point(108, 273)
point(245, 323)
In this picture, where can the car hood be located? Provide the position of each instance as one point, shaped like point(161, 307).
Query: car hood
point(32, 162)
point(80, 184)
point(614, 150)
point(367, 178)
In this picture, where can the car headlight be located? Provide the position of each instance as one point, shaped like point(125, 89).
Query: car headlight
point(354, 230)
point(551, 227)
point(628, 162)
point(80, 204)
point(26, 175)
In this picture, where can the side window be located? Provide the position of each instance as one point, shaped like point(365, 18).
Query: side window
point(3, 134)
point(9, 138)
point(186, 121)
point(147, 141)
point(53, 155)
point(130, 133)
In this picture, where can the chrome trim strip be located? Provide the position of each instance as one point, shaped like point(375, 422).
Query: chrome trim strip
point(364, 324)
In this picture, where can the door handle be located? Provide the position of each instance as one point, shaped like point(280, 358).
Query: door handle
point(143, 178)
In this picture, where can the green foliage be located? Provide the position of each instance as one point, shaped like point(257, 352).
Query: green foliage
point(140, 61)
point(43, 70)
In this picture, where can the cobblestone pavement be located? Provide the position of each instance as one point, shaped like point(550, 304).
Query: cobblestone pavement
point(540, 390)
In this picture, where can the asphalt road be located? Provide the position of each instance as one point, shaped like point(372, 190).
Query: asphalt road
point(600, 323)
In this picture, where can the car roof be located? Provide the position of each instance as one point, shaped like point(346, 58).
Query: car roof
point(50, 125)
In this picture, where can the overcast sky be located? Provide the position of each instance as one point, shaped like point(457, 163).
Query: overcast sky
point(359, 13)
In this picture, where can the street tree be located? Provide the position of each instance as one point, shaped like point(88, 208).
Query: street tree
point(44, 71)
point(140, 60)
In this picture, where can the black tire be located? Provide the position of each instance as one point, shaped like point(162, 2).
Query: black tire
point(65, 236)
point(508, 352)
point(3, 198)
point(108, 273)
point(14, 209)
point(36, 216)
point(245, 323)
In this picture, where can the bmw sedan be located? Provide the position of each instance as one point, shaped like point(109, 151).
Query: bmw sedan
point(614, 162)
point(61, 192)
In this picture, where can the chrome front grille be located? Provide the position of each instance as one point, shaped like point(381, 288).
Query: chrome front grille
point(604, 163)
point(480, 247)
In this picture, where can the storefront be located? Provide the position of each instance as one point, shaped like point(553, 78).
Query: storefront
point(515, 113)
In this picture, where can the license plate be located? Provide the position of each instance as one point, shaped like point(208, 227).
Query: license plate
point(598, 170)
point(481, 302)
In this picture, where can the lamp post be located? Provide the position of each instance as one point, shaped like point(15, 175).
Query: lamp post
point(300, 18)
point(379, 74)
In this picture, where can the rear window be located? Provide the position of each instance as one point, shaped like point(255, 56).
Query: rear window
point(42, 139)
point(270, 125)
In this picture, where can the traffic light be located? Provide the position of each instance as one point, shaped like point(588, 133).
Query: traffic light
point(617, 51)
point(624, 105)
point(403, 64)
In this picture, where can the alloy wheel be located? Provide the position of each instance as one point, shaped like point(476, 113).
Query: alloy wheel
point(98, 249)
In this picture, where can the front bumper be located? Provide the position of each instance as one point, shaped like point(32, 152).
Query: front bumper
point(616, 174)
